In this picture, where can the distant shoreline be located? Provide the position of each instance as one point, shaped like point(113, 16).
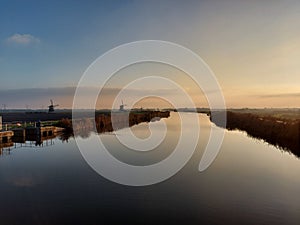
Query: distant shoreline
point(34, 116)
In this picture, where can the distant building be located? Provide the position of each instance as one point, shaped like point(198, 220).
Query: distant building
point(0, 123)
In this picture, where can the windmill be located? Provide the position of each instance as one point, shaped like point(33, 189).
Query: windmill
point(52, 106)
point(122, 106)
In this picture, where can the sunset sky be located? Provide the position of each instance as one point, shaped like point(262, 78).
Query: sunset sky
point(253, 47)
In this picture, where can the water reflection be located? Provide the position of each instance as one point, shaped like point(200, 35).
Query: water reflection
point(102, 123)
point(5, 148)
point(249, 183)
point(279, 132)
point(30, 140)
point(84, 128)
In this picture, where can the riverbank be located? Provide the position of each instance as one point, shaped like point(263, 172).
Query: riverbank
point(62, 125)
point(34, 116)
point(121, 120)
point(281, 131)
point(85, 123)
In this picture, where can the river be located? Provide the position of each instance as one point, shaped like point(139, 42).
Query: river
point(250, 182)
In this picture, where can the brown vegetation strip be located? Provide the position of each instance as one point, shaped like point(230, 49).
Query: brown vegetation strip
point(103, 122)
point(284, 133)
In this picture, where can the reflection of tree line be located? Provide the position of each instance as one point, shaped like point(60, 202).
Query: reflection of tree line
point(284, 133)
point(103, 122)
point(115, 121)
point(107, 122)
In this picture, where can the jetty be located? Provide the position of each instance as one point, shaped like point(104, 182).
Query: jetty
point(6, 136)
point(34, 135)
point(40, 134)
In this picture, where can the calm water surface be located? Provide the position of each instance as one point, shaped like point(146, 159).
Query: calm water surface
point(250, 182)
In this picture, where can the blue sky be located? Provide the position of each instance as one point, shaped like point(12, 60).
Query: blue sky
point(252, 46)
point(71, 35)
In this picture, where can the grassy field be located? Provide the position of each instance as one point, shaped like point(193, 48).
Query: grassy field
point(283, 114)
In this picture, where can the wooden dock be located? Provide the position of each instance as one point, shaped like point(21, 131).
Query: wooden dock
point(42, 131)
point(38, 134)
point(6, 136)
point(35, 136)
point(6, 140)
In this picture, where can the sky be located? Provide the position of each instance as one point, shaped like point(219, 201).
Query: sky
point(253, 47)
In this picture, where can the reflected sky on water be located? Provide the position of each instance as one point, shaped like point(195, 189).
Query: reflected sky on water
point(250, 182)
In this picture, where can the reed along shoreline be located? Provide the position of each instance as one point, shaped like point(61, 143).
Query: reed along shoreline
point(278, 131)
point(108, 122)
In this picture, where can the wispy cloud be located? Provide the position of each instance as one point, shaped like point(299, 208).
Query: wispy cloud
point(280, 95)
point(22, 39)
